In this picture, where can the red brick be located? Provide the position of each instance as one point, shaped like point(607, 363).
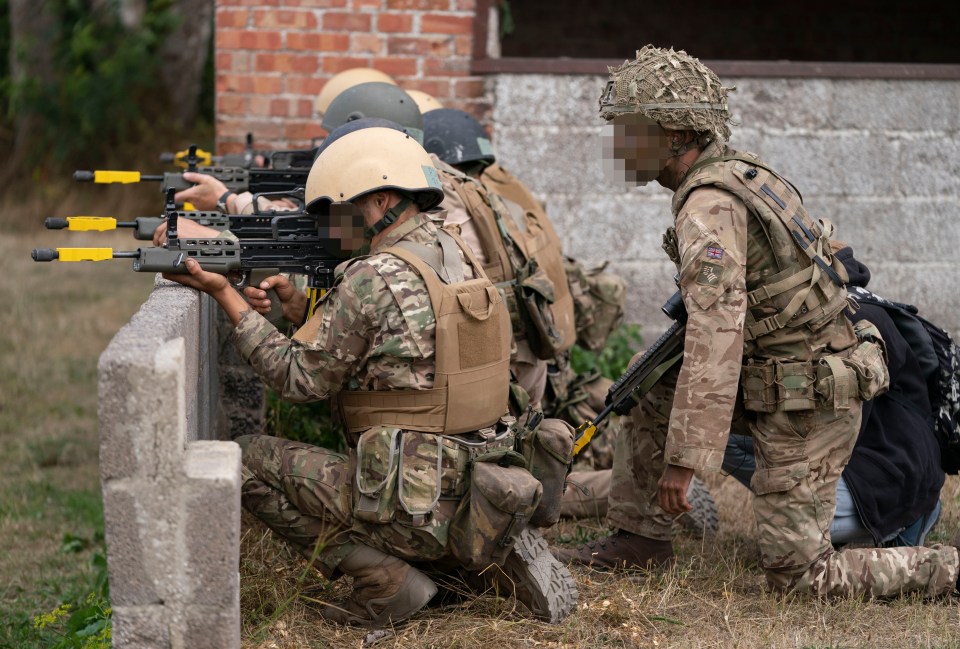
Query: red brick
point(344, 21)
point(239, 127)
point(468, 88)
point(305, 108)
point(396, 66)
point(227, 18)
point(366, 44)
point(436, 87)
point(463, 45)
point(321, 4)
point(300, 85)
point(421, 45)
point(233, 39)
point(284, 19)
point(279, 107)
point(318, 42)
point(435, 5)
point(270, 62)
point(247, 3)
point(398, 23)
point(233, 62)
point(303, 131)
point(446, 67)
point(231, 104)
point(334, 64)
point(444, 24)
point(466, 5)
point(367, 4)
point(249, 83)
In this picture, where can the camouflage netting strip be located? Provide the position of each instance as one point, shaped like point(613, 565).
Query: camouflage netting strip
point(658, 76)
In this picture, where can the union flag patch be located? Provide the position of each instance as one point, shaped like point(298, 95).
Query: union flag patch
point(714, 252)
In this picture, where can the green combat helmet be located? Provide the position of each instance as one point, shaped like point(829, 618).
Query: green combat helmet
point(375, 99)
point(671, 88)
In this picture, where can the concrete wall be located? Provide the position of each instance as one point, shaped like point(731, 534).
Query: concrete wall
point(171, 492)
point(879, 158)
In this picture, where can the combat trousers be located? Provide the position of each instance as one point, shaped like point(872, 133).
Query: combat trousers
point(800, 456)
point(306, 494)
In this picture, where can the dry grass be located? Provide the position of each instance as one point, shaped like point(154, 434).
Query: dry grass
point(713, 597)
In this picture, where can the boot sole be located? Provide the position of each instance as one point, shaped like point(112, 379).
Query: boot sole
point(703, 520)
point(537, 579)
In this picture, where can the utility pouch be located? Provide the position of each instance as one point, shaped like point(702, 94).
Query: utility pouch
point(548, 451)
point(535, 294)
point(868, 361)
point(378, 460)
point(773, 386)
point(419, 477)
point(501, 499)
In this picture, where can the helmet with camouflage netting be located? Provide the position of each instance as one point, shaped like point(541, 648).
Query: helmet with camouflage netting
point(672, 88)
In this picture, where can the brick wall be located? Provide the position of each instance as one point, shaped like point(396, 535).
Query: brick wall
point(274, 56)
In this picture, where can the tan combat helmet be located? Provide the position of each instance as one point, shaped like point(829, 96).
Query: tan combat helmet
point(671, 88)
point(369, 160)
point(347, 79)
point(424, 102)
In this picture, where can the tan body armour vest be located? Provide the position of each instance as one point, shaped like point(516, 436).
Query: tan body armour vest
point(472, 352)
point(807, 287)
point(530, 226)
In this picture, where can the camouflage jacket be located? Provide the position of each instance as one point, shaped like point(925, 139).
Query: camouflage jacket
point(721, 247)
point(375, 329)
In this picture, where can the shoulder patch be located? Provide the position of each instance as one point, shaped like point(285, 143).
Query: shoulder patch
point(709, 274)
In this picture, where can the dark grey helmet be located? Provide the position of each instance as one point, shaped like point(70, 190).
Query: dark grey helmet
point(456, 137)
point(375, 99)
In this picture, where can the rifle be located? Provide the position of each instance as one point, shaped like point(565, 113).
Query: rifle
point(236, 179)
point(625, 394)
point(182, 158)
point(295, 246)
point(258, 225)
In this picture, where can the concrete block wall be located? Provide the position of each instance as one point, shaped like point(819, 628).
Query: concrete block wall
point(171, 492)
point(879, 158)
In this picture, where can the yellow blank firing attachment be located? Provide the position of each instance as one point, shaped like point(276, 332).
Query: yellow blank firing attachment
point(91, 223)
point(204, 158)
point(585, 434)
point(84, 254)
point(125, 177)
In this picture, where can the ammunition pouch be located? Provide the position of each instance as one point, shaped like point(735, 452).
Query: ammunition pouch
point(832, 381)
point(502, 497)
point(531, 315)
point(598, 299)
point(547, 449)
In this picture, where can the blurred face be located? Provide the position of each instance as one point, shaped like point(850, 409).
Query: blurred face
point(634, 148)
point(344, 229)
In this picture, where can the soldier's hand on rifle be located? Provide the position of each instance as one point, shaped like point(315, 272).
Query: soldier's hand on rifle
point(204, 194)
point(217, 286)
point(186, 229)
point(672, 492)
point(293, 301)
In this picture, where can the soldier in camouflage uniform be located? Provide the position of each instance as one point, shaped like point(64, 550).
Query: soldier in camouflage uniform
point(765, 301)
point(375, 343)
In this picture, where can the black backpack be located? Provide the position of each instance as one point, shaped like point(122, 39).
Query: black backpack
point(939, 359)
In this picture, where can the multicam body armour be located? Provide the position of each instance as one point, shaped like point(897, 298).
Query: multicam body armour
point(806, 287)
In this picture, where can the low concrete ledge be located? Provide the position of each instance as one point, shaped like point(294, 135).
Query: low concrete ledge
point(171, 492)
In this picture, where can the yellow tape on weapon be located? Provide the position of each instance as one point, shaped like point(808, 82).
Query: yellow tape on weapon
point(91, 223)
point(314, 295)
point(125, 177)
point(188, 207)
point(84, 254)
point(204, 158)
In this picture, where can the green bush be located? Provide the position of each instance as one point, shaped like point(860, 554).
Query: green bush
point(311, 423)
point(83, 623)
point(614, 359)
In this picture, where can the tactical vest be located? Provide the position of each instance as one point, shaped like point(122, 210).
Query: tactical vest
point(472, 352)
point(808, 289)
point(530, 225)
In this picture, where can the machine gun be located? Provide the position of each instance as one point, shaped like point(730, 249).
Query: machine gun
point(640, 377)
point(294, 246)
point(236, 179)
point(258, 225)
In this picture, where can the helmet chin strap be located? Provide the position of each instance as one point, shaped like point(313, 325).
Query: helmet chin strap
point(390, 217)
